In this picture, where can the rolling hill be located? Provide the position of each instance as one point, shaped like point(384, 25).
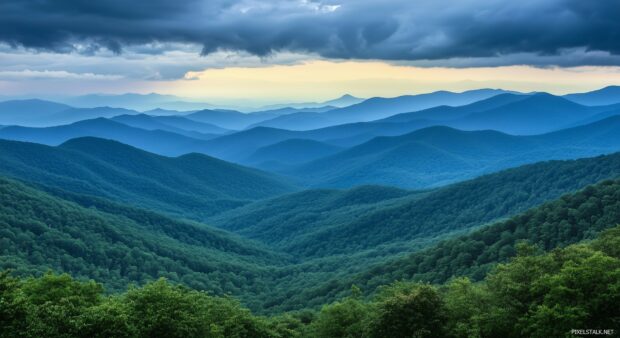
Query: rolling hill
point(290, 152)
point(378, 107)
point(136, 101)
point(40, 113)
point(402, 221)
point(574, 217)
point(447, 113)
point(296, 121)
point(343, 101)
point(229, 119)
point(187, 124)
point(439, 155)
point(511, 113)
point(536, 114)
point(157, 141)
point(193, 185)
point(73, 115)
point(604, 96)
point(97, 239)
point(335, 235)
point(28, 112)
point(322, 234)
point(238, 146)
point(174, 124)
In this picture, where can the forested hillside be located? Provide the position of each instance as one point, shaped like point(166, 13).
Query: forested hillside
point(193, 185)
point(85, 235)
point(312, 224)
point(120, 245)
point(536, 295)
point(570, 219)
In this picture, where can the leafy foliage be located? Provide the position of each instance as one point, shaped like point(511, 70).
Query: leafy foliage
point(119, 244)
point(535, 295)
point(570, 219)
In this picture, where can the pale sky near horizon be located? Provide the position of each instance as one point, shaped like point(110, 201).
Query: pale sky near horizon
point(319, 80)
point(258, 51)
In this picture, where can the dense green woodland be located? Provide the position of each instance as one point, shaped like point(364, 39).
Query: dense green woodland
point(115, 244)
point(570, 219)
point(382, 221)
point(534, 295)
point(119, 245)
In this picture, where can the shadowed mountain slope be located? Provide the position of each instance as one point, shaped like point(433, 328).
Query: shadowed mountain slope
point(192, 185)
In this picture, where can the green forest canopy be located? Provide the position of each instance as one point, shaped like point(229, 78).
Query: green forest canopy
point(535, 294)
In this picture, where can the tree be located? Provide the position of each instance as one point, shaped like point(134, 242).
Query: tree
point(409, 310)
point(347, 318)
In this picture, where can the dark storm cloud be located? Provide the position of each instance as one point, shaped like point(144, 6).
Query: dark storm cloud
point(547, 32)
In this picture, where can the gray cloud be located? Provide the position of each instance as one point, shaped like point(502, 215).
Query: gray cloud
point(487, 32)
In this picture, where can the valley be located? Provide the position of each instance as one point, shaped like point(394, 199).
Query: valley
point(289, 220)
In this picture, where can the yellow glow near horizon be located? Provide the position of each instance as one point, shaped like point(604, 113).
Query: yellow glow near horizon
point(318, 80)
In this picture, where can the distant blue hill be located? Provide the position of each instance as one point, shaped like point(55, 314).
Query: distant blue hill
point(538, 113)
point(229, 119)
point(176, 135)
point(135, 101)
point(28, 112)
point(157, 141)
point(510, 113)
point(343, 101)
point(290, 110)
point(290, 152)
point(40, 113)
point(440, 155)
point(72, 115)
point(175, 124)
point(447, 113)
point(513, 114)
point(378, 108)
point(605, 96)
point(297, 121)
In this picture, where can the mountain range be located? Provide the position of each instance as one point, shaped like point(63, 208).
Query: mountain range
point(403, 150)
point(286, 208)
point(438, 155)
point(174, 124)
point(139, 102)
point(377, 108)
point(343, 101)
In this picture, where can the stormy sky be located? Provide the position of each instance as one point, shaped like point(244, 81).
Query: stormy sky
point(137, 44)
